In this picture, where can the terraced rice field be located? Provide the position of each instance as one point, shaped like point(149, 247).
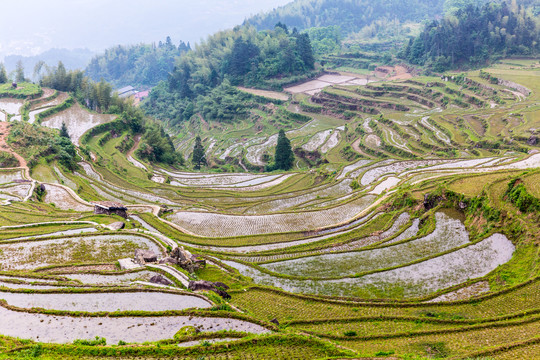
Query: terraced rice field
point(393, 235)
point(218, 225)
point(108, 302)
point(27, 254)
point(11, 106)
point(63, 199)
point(448, 234)
point(65, 329)
point(77, 120)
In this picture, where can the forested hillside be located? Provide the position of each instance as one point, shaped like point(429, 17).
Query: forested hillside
point(473, 35)
point(202, 79)
point(143, 64)
point(156, 146)
point(350, 15)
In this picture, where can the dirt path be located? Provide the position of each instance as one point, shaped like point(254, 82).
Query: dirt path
point(4, 132)
point(137, 139)
point(356, 147)
point(242, 165)
point(130, 157)
point(47, 92)
point(518, 95)
point(204, 123)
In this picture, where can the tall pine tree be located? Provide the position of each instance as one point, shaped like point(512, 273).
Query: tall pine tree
point(3, 74)
point(284, 156)
point(64, 131)
point(198, 158)
point(19, 72)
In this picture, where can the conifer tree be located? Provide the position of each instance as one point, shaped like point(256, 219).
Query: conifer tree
point(19, 72)
point(3, 74)
point(284, 156)
point(198, 158)
point(64, 131)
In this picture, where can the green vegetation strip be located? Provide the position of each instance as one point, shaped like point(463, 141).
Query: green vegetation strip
point(395, 304)
point(411, 334)
point(275, 346)
point(499, 349)
point(55, 110)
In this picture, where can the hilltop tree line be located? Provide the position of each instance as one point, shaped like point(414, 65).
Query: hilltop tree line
point(143, 64)
point(350, 15)
point(95, 96)
point(203, 80)
point(474, 35)
point(17, 75)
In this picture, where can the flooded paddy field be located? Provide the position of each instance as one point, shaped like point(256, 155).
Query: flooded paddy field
point(63, 199)
point(217, 225)
point(65, 329)
point(448, 234)
point(415, 280)
point(108, 302)
point(34, 254)
point(11, 106)
point(77, 120)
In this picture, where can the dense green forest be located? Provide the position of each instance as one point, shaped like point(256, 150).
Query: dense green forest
point(350, 15)
point(325, 40)
point(203, 80)
point(156, 145)
point(473, 35)
point(136, 65)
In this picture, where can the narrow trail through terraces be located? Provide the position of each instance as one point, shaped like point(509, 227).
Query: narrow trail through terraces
point(4, 133)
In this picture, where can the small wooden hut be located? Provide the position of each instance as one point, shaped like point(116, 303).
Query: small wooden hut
point(110, 208)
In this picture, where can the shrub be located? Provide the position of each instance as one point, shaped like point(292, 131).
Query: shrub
point(96, 342)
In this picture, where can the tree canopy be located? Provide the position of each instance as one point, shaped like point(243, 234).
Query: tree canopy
point(95, 96)
point(284, 157)
point(350, 16)
point(157, 146)
point(142, 64)
point(3, 74)
point(473, 35)
point(64, 130)
point(19, 72)
point(203, 80)
point(199, 157)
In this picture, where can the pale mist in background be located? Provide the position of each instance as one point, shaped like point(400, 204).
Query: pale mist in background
point(30, 27)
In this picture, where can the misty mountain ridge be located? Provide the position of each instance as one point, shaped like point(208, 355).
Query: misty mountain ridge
point(71, 58)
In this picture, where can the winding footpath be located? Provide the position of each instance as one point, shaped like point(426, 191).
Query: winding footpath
point(4, 133)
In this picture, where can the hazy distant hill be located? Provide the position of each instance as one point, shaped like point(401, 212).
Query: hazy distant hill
point(72, 59)
point(137, 65)
point(350, 15)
